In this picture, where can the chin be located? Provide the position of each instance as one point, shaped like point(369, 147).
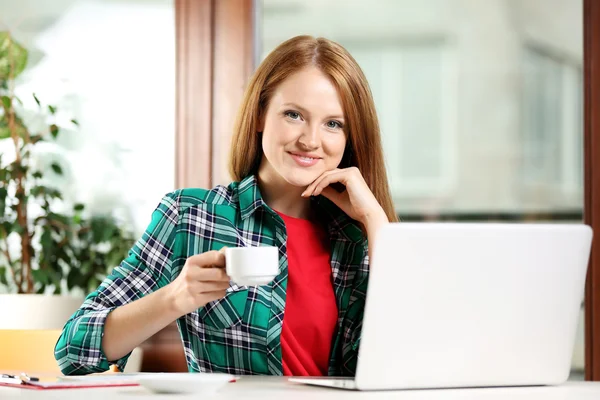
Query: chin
point(301, 178)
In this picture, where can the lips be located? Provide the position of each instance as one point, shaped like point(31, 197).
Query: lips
point(304, 160)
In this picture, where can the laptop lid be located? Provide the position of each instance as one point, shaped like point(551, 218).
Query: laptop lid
point(466, 305)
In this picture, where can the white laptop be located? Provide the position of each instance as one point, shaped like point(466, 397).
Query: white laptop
point(470, 305)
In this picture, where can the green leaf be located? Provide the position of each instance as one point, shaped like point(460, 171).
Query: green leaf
point(3, 195)
point(18, 229)
point(19, 127)
point(6, 102)
point(63, 219)
point(46, 193)
point(46, 239)
point(37, 191)
point(37, 100)
point(38, 175)
point(79, 207)
point(6, 227)
point(102, 229)
point(4, 131)
point(56, 168)
point(54, 130)
point(40, 275)
point(53, 193)
point(74, 279)
point(13, 57)
point(52, 109)
point(3, 280)
point(74, 122)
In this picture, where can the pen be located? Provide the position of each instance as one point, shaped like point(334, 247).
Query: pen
point(24, 377)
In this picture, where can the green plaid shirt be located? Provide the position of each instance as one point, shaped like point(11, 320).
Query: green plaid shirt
point(240, 333)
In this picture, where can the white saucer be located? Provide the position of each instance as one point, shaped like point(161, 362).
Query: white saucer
point(204, 383)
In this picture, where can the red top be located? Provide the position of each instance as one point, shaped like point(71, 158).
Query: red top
point(310, 317)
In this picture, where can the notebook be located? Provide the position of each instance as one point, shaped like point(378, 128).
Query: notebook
point(24, 381)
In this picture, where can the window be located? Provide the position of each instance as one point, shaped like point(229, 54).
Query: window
point(552, 157)
point(413, 84)
point(111, 66)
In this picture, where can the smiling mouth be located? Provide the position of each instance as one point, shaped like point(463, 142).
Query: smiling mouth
point(307, 158)
point(304, 161)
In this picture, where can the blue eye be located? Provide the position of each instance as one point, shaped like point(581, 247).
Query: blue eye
point(334, 125)
point(292, 114)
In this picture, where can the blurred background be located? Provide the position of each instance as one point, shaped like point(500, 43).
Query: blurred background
point(480, 102)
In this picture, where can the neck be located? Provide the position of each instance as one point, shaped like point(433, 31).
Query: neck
point(283, 197)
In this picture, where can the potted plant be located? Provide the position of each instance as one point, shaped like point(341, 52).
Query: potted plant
point(47, 252)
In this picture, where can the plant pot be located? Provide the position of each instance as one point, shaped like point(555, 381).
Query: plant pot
point(37, 311)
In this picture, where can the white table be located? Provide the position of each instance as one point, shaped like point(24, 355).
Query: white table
point(265, 388)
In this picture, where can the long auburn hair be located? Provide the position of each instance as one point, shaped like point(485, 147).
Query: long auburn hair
point(363, 148)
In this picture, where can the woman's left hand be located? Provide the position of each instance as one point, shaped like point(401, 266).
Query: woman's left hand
point(357, 201)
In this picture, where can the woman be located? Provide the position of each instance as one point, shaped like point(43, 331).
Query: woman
point(309, 178)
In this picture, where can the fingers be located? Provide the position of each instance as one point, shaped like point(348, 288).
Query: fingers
point(208, 287)
point(340, 176)
point(210, 275)
point(208, 259)
point(311, 188)
point(206, 267)
point(327, 178)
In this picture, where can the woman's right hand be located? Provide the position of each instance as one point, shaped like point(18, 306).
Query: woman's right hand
point(203, 279)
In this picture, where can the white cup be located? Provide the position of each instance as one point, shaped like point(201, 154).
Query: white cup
point(252, 266)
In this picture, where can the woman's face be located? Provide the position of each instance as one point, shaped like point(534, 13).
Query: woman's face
point(303, 129)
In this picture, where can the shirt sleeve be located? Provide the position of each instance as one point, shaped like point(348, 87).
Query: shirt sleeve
point(146, 269)
point(354, 315)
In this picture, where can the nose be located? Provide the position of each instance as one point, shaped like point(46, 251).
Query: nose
point(310, 138)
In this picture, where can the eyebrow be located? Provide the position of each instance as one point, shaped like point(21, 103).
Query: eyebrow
point(304, 110)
